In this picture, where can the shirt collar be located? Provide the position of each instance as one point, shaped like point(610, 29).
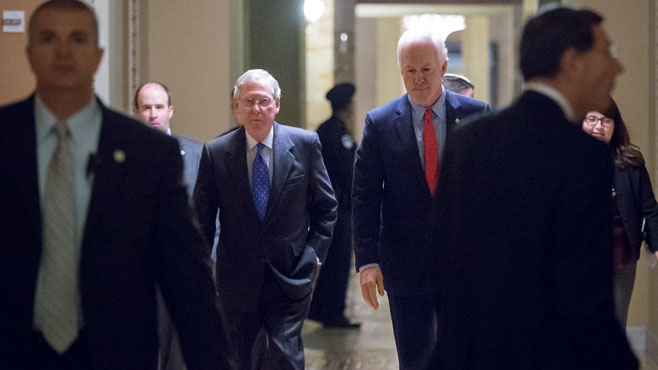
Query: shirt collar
point(554, 95)
point(437, 107)
point(251, 142)
point(77, 123)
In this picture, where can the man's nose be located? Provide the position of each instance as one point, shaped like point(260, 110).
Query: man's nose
point(619, 67)
point(62, 48)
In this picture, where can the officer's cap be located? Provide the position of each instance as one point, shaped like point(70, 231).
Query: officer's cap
point(341, 94)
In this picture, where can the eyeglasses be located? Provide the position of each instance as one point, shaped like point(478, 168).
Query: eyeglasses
point(592, 121)
point(261, 102)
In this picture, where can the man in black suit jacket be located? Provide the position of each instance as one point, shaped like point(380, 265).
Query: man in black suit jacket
point(277, 211)
point(152, 104)
point(524, 265)
point(393, 191)
point(130, 226)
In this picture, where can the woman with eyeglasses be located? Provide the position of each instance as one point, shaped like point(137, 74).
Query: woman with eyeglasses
point(634, 206)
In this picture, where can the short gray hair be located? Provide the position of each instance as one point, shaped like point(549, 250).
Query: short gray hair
point(422, 33)
point(259, 76)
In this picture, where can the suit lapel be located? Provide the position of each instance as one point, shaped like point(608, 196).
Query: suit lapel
point(235, 158)
point(405, 130)
point(453, 112)
point(283, 160)
point(112, 157)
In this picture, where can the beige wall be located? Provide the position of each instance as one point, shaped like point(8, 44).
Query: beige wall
point(188, 49)
point(16, 79)
point(365, 73)
point(319, 51)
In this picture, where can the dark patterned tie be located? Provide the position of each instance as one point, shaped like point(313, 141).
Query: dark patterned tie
point(260, 185)
point(57, 298)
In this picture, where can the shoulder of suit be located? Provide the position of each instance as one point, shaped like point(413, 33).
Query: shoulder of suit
point(296, 132)
point(187, 141)
point(466, 102)
point(18, 105)
point(388, 109)
point(225, 140)
point(18, 108)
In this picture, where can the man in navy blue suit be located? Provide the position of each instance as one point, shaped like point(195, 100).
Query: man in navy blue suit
point(395, 178)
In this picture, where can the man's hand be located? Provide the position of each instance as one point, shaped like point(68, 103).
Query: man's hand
point(372, 281)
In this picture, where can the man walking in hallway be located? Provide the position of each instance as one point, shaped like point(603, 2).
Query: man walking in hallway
point(277, 211)
point(395, 179)
point(524, 259)
point(94, 215)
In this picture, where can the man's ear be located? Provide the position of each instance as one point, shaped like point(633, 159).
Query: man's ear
point(570, 62)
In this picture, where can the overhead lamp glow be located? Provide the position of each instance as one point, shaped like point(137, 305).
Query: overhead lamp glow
point(313, 10)
point(443, 24)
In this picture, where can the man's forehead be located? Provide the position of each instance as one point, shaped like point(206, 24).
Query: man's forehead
point(255, 88)
point(153, 97)
point(70, 21)
point(152, 89)
point(419, 51)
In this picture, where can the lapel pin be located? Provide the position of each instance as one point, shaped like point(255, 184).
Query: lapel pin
point(457, 120)
point(182, 152)
point(119, 156)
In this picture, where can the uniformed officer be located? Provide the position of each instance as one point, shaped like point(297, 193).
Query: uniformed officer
point(338, 148)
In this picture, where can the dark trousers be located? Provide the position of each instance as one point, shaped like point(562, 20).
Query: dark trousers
point(270, 337)
point(331, 289)
point(170, 354)
point(45, 358)
point(415, 328)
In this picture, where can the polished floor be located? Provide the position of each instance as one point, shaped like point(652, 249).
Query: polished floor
point(370, 348)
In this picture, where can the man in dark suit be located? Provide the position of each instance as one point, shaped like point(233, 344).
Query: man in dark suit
point(524, 259)
point(395, 179)
point(94, 215)
point(277, 211)
point(153, 106)
point(338, 147)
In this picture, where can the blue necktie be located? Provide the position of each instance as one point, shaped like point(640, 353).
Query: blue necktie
point(260, 182)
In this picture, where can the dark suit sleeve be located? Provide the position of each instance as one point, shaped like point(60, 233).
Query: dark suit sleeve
point(367, 196)
point(582, 266)
point(648, 208)
point(205, 197)
point(323, 205)
point(184, 271)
